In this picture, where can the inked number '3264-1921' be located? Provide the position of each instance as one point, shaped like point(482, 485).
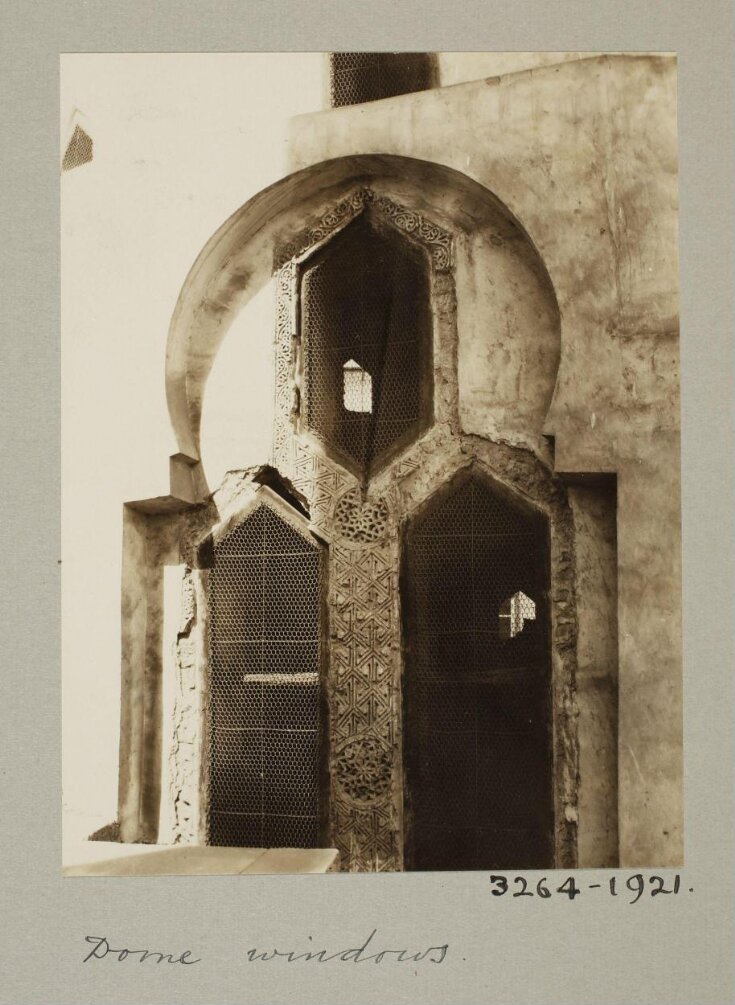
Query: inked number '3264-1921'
point(636, 884)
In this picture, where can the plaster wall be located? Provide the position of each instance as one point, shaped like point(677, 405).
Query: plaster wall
point(461, 67)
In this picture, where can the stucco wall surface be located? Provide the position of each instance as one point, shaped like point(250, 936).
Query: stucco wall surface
point(461, 67)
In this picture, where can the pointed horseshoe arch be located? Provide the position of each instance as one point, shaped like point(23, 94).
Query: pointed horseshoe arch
point(241, 257)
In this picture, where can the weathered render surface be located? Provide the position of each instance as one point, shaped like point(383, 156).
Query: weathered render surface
point(584, 155)
point(597, 672)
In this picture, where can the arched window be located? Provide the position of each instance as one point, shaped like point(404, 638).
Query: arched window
point(477, 702)
point(265, 735)
point(514, 613)
point(366, 327)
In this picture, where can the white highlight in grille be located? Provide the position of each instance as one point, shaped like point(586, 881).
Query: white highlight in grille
point(514, 612)
point(357, 388)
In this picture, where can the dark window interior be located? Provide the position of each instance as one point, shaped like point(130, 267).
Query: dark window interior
point(477, 702)
point(366, 327)
point(265, 735)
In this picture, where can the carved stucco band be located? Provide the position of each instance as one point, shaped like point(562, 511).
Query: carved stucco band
point(437, 240)
point(365, 645)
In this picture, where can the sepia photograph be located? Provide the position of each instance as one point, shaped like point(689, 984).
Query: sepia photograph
point(370, 429)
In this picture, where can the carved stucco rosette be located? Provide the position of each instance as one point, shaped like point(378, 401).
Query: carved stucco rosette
point(359, 520)
point(363, 769)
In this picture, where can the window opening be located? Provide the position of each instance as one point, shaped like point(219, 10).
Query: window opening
point(265, 732)
point(514, 612)
point(366, 325)
point(358, 388)
point(477, 702)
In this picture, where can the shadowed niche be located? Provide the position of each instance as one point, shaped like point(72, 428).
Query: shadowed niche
point(366, 326)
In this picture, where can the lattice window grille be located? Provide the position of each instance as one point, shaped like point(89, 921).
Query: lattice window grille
point(367, 336)
point(265, 731)
point(357, 77)
point(477, 699)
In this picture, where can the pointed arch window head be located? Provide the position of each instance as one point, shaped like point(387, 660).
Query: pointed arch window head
point(357, 388)
point(367, 335)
